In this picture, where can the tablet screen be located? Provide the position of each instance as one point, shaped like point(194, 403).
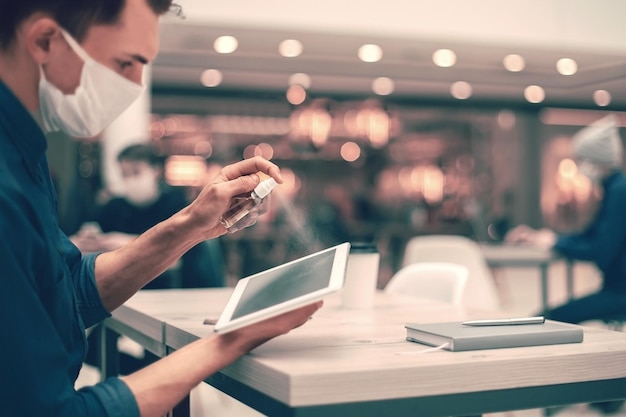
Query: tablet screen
point(284, 288)
point(284, 283)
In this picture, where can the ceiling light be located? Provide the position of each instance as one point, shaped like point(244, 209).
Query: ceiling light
point(534, 94)
point(370, 53)
point(461, 90)
point(301, 79)
point(602, 98)
point(566, 66)
point(383, 86)
point(444, 58)
point(514, 62)
point(211, 78)
point(290, 48)
point(225, 44)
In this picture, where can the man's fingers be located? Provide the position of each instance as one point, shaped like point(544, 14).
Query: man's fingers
point(251, 166)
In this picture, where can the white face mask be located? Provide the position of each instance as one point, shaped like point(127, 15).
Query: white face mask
point(102, 96)
point(141, 189)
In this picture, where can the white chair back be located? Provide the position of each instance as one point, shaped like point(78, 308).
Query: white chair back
point(442, 281)
point(480, 291)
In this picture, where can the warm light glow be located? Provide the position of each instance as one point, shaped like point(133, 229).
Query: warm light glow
point(313, 122)
point(203, 148)
point(461, 90)
point(371, 122)
point(263, 149)
point(301, 79)
point(444, 58)
point(350, 151)
point(534, 94)
point(290, 48)
point(602, 98)
point(426, 181)
point(514, 63)
point(571, 183)
point(383, 86)
point(370, 53)
point(211, 78)
point(185, 170)
point(433, 185)
point(567, 168)
point(566, 66)
point(506, 119)
point(296, 94)
point(226, 44)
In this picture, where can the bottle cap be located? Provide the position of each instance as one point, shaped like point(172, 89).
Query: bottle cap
point(265, 187)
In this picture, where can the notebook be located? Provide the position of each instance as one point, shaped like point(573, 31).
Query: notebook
point(284, 288)
point(461, 337)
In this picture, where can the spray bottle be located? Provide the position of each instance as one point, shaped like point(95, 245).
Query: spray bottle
point(243, 205)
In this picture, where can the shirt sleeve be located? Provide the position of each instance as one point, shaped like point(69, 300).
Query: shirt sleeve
point(82, 268)
point(39, 362)
point(603, 240)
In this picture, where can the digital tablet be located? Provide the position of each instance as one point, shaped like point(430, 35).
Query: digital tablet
point(284, 288)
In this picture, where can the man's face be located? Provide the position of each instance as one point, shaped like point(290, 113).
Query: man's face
point(125, 47)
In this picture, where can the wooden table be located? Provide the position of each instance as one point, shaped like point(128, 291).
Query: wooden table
point(522, 256)
point(357, 362)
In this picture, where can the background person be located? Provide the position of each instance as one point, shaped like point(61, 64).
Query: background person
point(598, 151)
point(146, 201)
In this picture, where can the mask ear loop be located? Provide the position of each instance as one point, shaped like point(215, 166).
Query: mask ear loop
point(82, 54)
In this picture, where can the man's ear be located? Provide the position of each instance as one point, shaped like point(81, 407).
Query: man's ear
point(39, 37)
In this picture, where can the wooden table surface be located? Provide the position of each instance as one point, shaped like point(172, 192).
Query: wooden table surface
point(358, 361)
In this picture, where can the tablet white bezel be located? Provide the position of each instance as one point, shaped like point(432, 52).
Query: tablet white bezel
point(335, 283)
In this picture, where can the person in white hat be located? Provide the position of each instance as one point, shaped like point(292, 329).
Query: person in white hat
point(598, 153)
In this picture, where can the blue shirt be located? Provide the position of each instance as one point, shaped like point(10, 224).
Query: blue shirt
point(603, 242)
point(48, 292)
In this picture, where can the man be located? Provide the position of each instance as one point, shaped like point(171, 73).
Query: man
point(79, 64)
point(598, 152)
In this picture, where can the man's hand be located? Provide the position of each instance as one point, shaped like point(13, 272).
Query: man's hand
point(249, 337)
point(215, 198)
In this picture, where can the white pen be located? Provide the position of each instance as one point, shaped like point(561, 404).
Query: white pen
point(505, 322)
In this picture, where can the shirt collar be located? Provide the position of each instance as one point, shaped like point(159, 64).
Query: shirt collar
point(21, 129)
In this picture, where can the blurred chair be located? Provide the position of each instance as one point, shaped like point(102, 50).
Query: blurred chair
point(441, 281)
point(480, 290)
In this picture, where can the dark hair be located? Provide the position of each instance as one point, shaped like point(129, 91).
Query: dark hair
point(141, 152)
point(75, 16)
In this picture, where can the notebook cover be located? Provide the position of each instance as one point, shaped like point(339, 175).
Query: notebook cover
point(463, 337)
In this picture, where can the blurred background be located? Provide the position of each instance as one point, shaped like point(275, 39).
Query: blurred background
point(389, 119)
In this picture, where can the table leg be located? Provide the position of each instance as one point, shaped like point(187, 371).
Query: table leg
point(569, 265)
point(544, 286)
point(109, 355)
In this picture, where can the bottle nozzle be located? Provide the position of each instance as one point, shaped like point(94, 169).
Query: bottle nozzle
point(265, 187)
